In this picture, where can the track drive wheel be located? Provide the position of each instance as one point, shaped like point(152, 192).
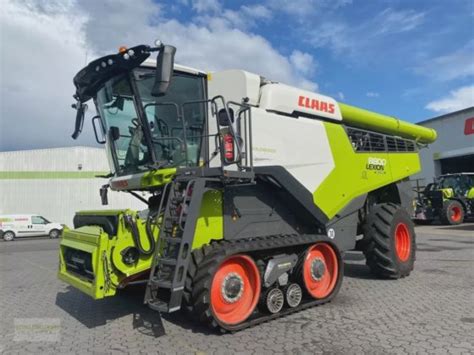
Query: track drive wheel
point(224, 291)
point(321, 270)
point(390, 248)
point(235, 289)
point(452, 213)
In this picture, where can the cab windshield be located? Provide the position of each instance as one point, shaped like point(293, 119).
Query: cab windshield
point(459, 183)
point(169, 134)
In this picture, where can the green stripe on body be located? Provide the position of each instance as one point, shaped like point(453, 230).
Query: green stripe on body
point(16, 175)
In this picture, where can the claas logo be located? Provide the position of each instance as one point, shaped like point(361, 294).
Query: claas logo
point(469, 126)
point(317, 105)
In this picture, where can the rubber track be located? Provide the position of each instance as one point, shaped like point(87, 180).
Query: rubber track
point(200, 276)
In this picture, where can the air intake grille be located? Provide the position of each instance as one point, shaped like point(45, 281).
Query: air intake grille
point(367, 141)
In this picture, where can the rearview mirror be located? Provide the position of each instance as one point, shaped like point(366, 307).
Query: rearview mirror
point(80, 112)
point(164, 70)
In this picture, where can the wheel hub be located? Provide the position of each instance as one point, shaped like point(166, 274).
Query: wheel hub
point(232, 287)
point(275, 300)
point(456, 214)
point(294, 295)
point(318, 268)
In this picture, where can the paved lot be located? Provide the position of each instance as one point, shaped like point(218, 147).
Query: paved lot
point(432, 311)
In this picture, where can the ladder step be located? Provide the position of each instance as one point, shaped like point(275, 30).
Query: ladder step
point(168, 225)
point(158, 305)
point(177, 200)
point(171, 222)
point(161, 283)
point(168, 261)
point(163, 293)
point(173, 240)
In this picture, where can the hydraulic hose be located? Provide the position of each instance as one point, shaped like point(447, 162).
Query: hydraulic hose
point(149, 232)
point(130, 222)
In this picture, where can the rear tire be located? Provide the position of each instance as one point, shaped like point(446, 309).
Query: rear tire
point(452, 212)
point(390, 241)
point(54, 233)
point(8, 236)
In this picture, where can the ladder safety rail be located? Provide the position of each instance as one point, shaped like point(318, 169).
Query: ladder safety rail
point(244, 134)
point(242, 143)
point(171, 258)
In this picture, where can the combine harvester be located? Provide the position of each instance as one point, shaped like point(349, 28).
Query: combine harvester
point(255, 190)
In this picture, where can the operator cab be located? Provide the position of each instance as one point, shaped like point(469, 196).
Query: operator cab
point(175, 121)
point(152, 114)
point(460, 183)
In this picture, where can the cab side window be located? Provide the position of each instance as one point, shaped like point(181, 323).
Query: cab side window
point(37, 220)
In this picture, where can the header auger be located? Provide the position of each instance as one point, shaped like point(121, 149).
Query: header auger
point(256, 189)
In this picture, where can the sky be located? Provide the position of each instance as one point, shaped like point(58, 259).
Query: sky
point(409, 59)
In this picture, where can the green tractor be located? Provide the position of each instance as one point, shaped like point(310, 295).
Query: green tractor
point(254, 190)
point(450, 199)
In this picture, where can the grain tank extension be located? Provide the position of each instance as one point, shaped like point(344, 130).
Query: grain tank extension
point(251, 190)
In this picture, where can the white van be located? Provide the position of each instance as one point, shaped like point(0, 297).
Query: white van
point(27, 225)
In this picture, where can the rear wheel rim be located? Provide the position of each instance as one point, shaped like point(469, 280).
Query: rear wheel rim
point(235, 289)
point(320, 270)
point(456, 213)
point(402, 242)
point(8, 236)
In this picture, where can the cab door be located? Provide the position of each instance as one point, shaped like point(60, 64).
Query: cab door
point(38, 224)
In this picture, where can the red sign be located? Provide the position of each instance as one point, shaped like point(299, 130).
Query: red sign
point(314, 104)
point(469, 126)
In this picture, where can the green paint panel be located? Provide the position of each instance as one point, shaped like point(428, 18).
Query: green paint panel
point(351, 177)
point(105, 253)
point(91, 240)
point(470, 194)
point(210, 224)
point(157, 178)
point(16, 175)
point(386, 124)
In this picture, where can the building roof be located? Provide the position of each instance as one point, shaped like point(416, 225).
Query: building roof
point(447, 115)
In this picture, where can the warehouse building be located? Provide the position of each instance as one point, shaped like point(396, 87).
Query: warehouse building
point(453, 151)
point(57, 182)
